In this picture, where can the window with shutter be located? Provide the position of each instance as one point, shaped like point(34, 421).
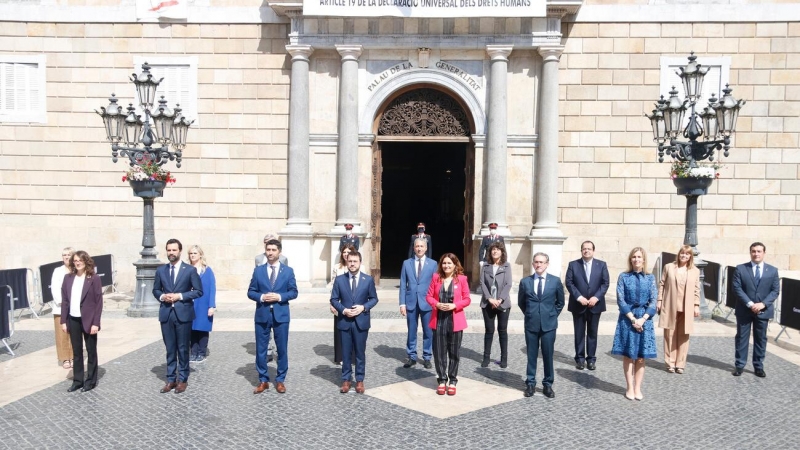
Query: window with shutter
point(179, 84)
point(22, 89)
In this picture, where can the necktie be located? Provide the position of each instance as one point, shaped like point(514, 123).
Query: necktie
point(588, 270)
point(352, 283)
point(172, 273)
point(272, 277)
point(541, 287)
point(758, 275)
point(419, 267)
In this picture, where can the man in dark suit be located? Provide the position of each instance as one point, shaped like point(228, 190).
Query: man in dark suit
point(756, 285)
point(587, 282)
point(176, 286)
point(353, 296)
point(421, 235)
point(415, 277)
point(487, 241)
point(272, 286)
point(349, 238)
point(541, 299)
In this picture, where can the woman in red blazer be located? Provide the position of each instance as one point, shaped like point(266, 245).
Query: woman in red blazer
point(81, 307)
point(448, 295)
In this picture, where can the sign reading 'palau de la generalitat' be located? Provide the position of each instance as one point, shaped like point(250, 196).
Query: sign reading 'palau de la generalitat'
point(425, 8)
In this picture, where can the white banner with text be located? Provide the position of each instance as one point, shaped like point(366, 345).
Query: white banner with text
point(425, 8)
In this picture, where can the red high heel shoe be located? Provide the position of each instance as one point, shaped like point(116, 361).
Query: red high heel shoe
point(440, 390)
point(451, 390)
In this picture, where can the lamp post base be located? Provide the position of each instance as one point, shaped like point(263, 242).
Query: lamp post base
point(705, 312)
point(144, 304)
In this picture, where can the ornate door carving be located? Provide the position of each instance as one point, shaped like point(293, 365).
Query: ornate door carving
point(424, 112)
point(377, 183)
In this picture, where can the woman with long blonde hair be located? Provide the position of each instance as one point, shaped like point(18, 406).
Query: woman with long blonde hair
point(678, 305)
point(204, 306)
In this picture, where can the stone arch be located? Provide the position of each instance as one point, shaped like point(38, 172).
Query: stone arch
point(446, 82)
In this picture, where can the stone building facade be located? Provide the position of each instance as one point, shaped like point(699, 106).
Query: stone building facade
point(305, 123)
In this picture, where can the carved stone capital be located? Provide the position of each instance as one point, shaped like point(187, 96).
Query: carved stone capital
point(349, 52)
point(299, 52)
point(499, 52)
point(551, 52)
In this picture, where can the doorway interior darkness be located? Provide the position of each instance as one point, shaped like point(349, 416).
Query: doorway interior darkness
point(421, 182)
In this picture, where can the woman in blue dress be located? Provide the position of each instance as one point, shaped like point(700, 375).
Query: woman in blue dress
point(204, 307)
point(635, 338)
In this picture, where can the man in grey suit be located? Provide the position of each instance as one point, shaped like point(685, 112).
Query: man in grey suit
point(541, 299)
point(415, 277)
point(587, 281)
point(756, 285)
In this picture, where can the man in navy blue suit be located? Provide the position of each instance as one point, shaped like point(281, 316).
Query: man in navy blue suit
point(415, 277)
point(272, 287)
point(756, 285)
point(587, 282)
point(541, 299)
point(353, 296)
point(176, 286)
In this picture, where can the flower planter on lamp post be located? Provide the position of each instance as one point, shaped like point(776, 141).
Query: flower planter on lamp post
point(146, 175)
point(706, 132)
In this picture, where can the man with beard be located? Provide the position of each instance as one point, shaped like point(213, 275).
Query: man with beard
point(176, 286)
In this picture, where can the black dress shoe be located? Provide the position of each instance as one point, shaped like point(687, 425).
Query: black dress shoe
point(548, 392)
point(87, 388)
point(737, 372)
point(760, 373)
point(591, 366)
point(530, 390)
point(485, 362)
point(409, 363)
point(503, 363)
point(427, 364)
point(579, 366)
point(74, 387)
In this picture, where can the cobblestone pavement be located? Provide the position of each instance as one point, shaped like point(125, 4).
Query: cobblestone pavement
point(25, 342)
point(704, 408)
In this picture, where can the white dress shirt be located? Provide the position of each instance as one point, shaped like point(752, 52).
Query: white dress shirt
point(75, 296)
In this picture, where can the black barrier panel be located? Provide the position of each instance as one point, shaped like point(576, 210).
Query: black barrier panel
point(5, 307)
point(711, 281)
point(667, 258)
point(45, 276)
point(18, 280)
point(731, 298)
point(790, 303)
point(103, 267)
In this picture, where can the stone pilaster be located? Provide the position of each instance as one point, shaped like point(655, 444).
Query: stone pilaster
point(546, 180)
point(296, 236)
point(494, 198)
point(347, 152)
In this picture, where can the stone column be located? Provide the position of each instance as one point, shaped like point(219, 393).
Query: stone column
point(347, 151)
point(546, 235)
point(296, 237)
point(494, 198)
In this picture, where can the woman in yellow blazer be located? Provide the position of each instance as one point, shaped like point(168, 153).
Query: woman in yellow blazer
point(678, 305)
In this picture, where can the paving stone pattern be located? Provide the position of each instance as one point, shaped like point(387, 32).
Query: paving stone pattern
point(704, 408)
point(24, 342)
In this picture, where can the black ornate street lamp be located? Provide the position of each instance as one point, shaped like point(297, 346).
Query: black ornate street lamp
point(715, 125)
point(135, 138)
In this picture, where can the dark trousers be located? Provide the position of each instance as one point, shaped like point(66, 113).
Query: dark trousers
point(77, 337)
point(586, 324)
point(759, 325)
point(446, 349)
point(354, 341)
point(547, 340)
point(177, 339)
point(337, 340)
point(199, 343)
point(413, 320)
point(489, 315)
point(280, 332)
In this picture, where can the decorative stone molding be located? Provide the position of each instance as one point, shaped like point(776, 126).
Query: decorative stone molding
point(551, 52)
point(349, 52)
point(499, 52)
point(299, 52)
